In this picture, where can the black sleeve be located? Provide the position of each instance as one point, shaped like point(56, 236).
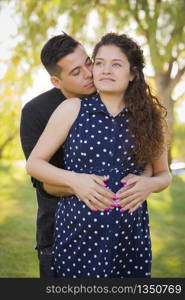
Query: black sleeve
point(29, 132)
point(31, 128)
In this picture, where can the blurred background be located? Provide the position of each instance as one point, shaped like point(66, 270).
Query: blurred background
point(159, 27)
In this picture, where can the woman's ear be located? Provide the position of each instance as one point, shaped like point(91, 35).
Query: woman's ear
point(134, 74)
point(132, 77)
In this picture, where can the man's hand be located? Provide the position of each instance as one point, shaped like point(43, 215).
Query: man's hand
point(91, 189)
point(135, 191)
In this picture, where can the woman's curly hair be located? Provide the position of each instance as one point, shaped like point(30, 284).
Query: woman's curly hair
point(146, 113)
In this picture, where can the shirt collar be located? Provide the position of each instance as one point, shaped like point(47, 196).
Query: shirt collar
point(95, 105)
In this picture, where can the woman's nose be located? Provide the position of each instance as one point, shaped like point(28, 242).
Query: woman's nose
point(106, 69)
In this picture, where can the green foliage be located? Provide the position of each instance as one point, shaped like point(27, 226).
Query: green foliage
point(154, 20)
point(178, 149)
point(9, 128)
point(160, 23)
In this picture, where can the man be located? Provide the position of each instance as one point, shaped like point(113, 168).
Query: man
point(70, 69)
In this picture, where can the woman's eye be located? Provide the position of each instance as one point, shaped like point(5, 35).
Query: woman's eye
point(116, 65)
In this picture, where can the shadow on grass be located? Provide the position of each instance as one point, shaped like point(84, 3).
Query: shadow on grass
point(167, 212)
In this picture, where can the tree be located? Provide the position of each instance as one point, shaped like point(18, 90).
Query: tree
point(160, 22)
point(9, 127)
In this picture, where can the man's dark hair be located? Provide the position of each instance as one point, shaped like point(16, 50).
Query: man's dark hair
point(56, 48)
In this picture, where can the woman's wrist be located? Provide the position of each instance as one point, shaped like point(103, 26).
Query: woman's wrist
point(70, 179)
point(160, 181)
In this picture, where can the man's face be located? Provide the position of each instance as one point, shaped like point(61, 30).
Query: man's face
point(75, 79)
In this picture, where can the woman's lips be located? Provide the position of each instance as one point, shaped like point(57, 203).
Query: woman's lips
point(106, 79)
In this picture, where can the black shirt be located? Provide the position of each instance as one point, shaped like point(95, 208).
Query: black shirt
point(34, 117)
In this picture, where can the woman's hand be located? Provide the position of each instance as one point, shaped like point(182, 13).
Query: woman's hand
point(91, 189)
point(136, 190)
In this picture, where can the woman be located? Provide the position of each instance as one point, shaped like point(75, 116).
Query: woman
point(114, 133)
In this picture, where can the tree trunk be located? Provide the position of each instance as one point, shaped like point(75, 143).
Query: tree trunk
point(164, 95)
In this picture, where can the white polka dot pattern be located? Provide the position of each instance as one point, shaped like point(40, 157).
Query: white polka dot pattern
point(100, 244)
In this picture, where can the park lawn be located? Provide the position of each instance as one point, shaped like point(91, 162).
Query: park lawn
point(17, 223)
point(18, 217)
point(167, 223)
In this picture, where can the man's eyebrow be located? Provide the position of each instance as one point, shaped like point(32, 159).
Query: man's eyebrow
point(78, 67)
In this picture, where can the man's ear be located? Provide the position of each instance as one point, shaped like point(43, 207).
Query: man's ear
point(55, 81)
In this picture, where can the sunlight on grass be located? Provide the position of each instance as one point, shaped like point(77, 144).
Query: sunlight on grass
point(17, 224)
point(167, 221)
point(8, 207)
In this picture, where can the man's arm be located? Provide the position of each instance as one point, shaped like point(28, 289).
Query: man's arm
point(31, 127)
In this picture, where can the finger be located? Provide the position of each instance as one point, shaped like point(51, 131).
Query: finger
point(104, 202)
point(90, 205)
point(123, 189)
point(98, 204)
point(132, 204)
point(106, 193)
point(100, 179)
point(131, 180)
point(127, 193)
point(135, 207)
point(130, 175)
point(94, 205)
point(126, 202)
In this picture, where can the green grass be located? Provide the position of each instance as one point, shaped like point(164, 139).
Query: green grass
point(17, 224)
point(18, 207)
point(167, 223)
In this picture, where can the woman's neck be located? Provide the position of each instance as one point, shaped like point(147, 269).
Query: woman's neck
point(113, 102)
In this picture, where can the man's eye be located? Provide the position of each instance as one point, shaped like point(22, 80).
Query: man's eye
point(76, 73)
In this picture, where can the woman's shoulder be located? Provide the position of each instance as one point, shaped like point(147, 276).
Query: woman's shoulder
point(67, 111)
point(70, 104)
point(69, 107)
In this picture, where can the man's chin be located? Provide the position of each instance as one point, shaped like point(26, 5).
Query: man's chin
point(91, 91)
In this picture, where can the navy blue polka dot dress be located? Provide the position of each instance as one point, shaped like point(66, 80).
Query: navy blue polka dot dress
point(111, 243)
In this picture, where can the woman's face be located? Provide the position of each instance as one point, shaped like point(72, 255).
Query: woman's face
point(111, 70)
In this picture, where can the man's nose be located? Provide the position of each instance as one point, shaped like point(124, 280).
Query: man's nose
point(87, 72)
